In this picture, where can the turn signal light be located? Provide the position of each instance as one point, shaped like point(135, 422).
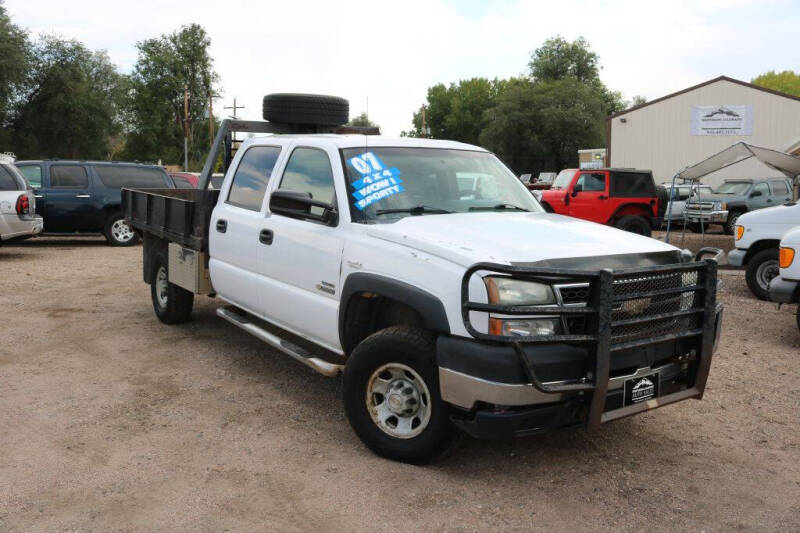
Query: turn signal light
point(786, 257)
point(739, 232)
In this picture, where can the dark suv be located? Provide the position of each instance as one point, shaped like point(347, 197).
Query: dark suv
point(84, 196)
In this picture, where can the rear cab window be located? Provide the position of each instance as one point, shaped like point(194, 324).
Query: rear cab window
point(779, 188)
point(252, 177)
point(632, 185)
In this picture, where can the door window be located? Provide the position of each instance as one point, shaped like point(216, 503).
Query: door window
point(779, 188)
point(181, 183)
point(596, 181)
point(251, 177)
point(763, 188)
point(32, 173)
point(309, 171)
point(68, 177)
point(118, 176)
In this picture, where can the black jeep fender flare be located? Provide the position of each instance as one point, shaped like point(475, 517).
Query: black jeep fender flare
point(429, 307)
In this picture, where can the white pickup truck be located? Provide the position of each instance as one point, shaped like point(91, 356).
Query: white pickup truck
point(18, 219)
point(785, 287)
point(444, 300)
point(757, 237)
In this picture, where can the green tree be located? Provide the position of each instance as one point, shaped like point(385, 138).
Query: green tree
point(540, 126)
point(361, 121)
point(167, 65)
point(786, 82)
point(456, 112)
point(14, 64)
point(638, 100)
point(70, 105)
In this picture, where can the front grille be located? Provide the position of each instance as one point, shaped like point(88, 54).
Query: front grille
point(649, 305)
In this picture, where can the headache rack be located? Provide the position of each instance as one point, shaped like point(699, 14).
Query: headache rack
point(612, 311)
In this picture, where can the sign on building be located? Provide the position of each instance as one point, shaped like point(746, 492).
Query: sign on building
point(722, 120)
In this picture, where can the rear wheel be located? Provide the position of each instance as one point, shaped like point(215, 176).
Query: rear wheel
point(172, 304)
point(761, 268)
point(391, 395)
point(634, 224)
point(118, 233)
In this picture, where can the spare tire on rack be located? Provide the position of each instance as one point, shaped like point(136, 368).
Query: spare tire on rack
point(306, 109)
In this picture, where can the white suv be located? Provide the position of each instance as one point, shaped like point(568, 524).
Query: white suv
point(17, 204)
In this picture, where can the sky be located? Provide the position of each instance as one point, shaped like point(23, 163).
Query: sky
point(386, 54)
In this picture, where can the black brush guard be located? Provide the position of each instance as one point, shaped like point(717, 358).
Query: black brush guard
point(600, 324)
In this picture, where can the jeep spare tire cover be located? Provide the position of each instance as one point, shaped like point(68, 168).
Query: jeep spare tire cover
point(316, 109)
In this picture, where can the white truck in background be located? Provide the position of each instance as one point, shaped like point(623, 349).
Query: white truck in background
point(757, 238)
point(785, 287)
point(444, 300)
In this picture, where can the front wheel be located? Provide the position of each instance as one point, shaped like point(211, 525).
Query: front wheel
point(172, 304)
point(634, 224)
point(118, 233)
point(761, 268)
point(391, 395)
point(730, 224)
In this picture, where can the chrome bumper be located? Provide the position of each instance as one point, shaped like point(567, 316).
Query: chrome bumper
point(465, 391)
point(783, 290)
point(711, 217)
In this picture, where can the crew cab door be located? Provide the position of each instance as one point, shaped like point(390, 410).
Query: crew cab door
point(69, 206)
point(300, 259)
point(760, 197)
point(236, 221)
point(781, 193)
point(589, 197)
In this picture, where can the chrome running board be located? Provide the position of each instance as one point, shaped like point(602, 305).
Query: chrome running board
point(295, 352)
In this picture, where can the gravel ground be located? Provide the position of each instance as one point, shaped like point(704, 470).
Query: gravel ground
point(112, 421)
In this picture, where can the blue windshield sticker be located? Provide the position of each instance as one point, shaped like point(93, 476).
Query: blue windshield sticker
point(377, 181)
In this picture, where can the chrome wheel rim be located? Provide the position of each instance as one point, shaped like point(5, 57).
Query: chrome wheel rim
point(121, 231)
point(162, 286)
point(398, 401)
point(765, 272)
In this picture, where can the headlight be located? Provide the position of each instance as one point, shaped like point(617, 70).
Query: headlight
point(739, 232)
point(786, 257)
point(720, 206)
point(508, 291)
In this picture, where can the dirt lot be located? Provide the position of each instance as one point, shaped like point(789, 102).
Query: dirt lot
point(111, 420)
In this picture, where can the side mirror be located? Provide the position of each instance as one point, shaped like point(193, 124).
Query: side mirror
point(755, 194)
point(709, 252)
point(575, 192)
point(297, 204)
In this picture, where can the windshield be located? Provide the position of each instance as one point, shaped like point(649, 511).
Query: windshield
point(391, 183)
point(733, 187)
point(563, 179)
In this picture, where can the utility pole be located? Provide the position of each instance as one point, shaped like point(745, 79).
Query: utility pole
point(185, 128)
point(234, 117)
point(211, 119)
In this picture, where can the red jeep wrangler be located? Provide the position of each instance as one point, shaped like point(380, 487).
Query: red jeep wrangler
point(624, 198)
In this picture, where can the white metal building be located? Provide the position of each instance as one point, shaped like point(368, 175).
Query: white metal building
point(678, 130)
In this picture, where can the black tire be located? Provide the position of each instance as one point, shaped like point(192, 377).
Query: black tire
point(634, 224)
point(179, 301)
point(730, 224)
point(312, 109)
point(663, 200)
point(415, 349)
point(115, 236)
point(798, 316)
point(761, 268)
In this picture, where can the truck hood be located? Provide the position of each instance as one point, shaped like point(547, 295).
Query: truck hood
point(787, 214)
point(470, 238)
point(716, 198)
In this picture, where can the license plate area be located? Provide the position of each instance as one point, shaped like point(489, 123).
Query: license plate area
point(642, 388)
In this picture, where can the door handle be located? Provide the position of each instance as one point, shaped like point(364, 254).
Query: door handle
point(38, 196)
point(769, 200)
point(83, 196)
point(602, 197)
point(265, 237)
point(222, 225)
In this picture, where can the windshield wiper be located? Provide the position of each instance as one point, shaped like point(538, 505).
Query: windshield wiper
point(416, 210)
point(498, 207)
